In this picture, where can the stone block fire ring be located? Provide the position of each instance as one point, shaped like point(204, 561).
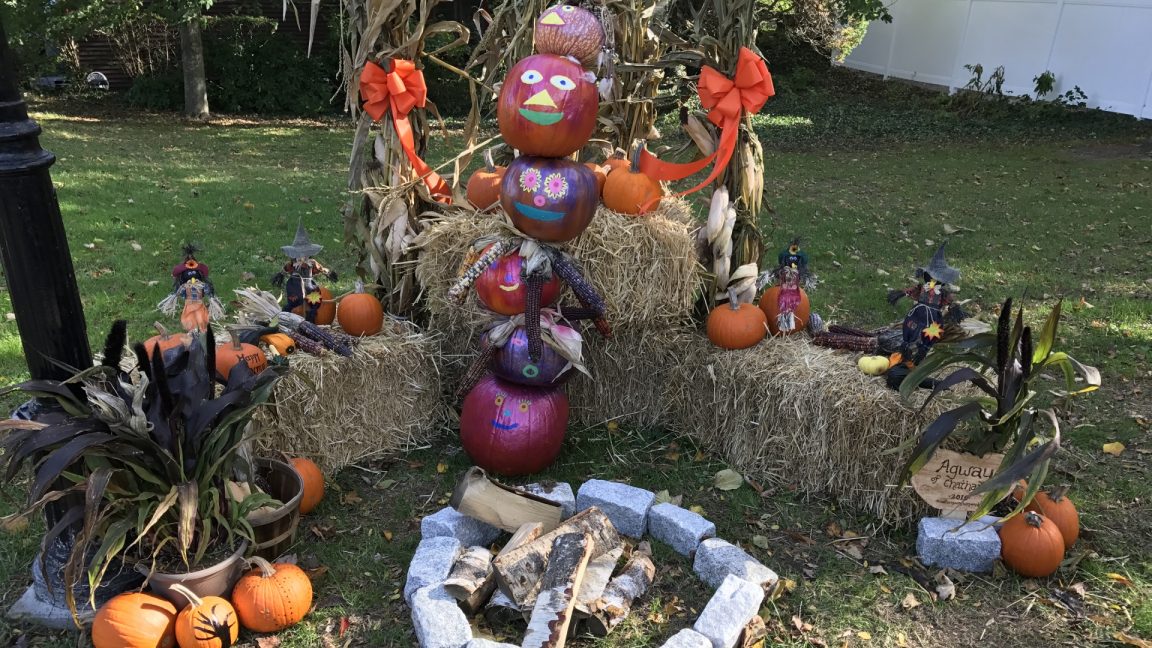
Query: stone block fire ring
point(559, 574)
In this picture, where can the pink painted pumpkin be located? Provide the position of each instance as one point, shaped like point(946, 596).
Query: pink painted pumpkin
point(547, 106)
point(566, 30)
point(513, 430)
point(501, 289)
point(549, 199)
point(512, 363)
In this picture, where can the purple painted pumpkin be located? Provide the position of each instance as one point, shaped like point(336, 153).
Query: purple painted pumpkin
point(547, 106)
point(549, 199)
point(569, 31)
point(513, 430)
point(511, 363)
point(501, 290)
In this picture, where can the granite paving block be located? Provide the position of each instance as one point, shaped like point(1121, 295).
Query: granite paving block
point(431, 563)
point(678, 527)
point(970, 547)
point(627, 506)
point(731, 607)
point(450, 522)
point(438, 620)
point(561, 493)
point(717, 558)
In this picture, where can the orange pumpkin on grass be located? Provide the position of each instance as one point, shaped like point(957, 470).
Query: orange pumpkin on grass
point(1054, 505)
point(1031, 545)
point(272, 597)
point(313, 481)
point(135, 620)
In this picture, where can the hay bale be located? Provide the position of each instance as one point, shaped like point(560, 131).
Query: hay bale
point(645, 268)
point(338, 411)
point(787, 412)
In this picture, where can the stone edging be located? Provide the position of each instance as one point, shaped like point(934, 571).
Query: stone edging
point(739, 580)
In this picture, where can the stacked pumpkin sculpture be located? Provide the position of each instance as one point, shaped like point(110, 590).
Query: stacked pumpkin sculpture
point(515, 411)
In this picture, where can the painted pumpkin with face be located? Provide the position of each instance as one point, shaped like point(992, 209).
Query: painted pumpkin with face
point(501, 289)
point(512, 363)
point(566, 30)
point(547, 106)
point(549, 199)
point(513, 430)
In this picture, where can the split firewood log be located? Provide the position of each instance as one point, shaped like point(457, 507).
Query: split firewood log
point(501, 611)
point(472, 579)
point(615, 603)
point(552, 613)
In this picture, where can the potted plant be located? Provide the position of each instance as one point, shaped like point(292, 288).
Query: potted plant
point(1004, 366)
point(151, 449)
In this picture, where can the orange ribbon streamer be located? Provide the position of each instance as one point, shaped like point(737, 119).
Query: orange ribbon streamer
point(726, 101)
point(399, 91)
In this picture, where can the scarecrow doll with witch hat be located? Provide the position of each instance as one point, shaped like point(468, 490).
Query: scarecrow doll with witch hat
point(298, 277)
point(934, 308)
point(190, 283)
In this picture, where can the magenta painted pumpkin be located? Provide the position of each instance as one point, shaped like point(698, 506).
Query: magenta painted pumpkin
point(549, 199)
point(513, 430)
point(502, 290)
point(566, 30)
point(511, 362)
point(547, 106)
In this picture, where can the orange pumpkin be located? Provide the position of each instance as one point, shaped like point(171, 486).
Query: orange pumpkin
point(601, 173)
point(313, 481)
point(360, 313)
point(135, 620)
point(163, 341)
point(326, 314)
point(630, 191)
point(1058, 508)
point(283, 344)
point(205, 622)
point(618, 160)
point(272, 597)
point(483, 189)
point(770, 304)
point(1031, 545)
point(229, 354)
point(736, 326)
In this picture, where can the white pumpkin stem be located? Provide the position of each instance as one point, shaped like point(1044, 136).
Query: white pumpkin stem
point(489, 163)
point(266, 567)
point(360, 285)
point(193, 600)
point(234, 334)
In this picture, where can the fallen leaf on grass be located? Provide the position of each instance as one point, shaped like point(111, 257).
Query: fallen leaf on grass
point(344, 623)
point(699, 456)
point(1114, 448)
point(384, 484)
point(945, 588)
point(864, 635)
point(799, 538)
point(697, 509)
point(321, 531)
point(388, 536)
point(1119, 578)
point(441, 468)
point(14, 524)
point(910, 602)
point(268, 642)
point(1129, 640)
point(314, 574)
point(760, 541)
point(809, 571)
point(351, 498)
point(727, 480)
point(877, 570)
point(834, 529)
point(800, 624)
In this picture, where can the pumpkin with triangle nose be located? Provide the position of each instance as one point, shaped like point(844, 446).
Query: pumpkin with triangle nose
point(568, 30)
point(547, 106)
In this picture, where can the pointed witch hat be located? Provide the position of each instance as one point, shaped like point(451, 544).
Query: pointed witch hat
point(939, 269)
point(302, 246)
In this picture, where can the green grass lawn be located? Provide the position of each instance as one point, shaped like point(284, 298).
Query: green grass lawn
point(872, 177)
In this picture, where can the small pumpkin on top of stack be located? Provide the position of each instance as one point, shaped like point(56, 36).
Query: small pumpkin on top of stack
point(628, 190)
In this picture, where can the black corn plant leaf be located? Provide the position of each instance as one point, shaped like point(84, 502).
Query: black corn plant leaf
point(53, 466)
point(958, 377)
point(935, 434)
point(69, 518)
point(142, 361)
point(114, 344)
point(1003, 335)
point(1026, 355)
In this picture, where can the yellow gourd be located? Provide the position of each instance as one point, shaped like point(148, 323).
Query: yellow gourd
point(873, 365)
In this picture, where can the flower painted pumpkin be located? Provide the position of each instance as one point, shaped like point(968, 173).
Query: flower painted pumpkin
point(513, 430)
point(511, 362)
point(547, 106)
point(549, 199)
point(569, 31)
point(502, 290)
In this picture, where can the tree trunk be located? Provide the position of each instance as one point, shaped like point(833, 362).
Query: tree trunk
point(192, 64)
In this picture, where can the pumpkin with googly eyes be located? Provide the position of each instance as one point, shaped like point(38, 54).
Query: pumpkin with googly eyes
point(549, 199)
point(547, 106)
point(569, 31)
point(513, 430)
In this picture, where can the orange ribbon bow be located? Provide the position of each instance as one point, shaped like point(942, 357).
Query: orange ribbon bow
point(726, 100)
point(399, 91)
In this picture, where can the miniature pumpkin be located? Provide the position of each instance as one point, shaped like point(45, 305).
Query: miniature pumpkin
point(873, 365)
point(631, 191)
point(735, 325)
point(618, 160)
point(483, 189)
point(326, 314)
point(566, 30)
point(513, 430)
point(229, 354)
point(1060, 510)
point(601, 173)
point(163, 341)
point(135, 620)
point(272, 597)
point(360, 313)
point(313, 481)
point(283, 344)
point(549, 199)
point(512, 362)
point(205, 622)
point(547, 106)
point(502, 289)
point(770, 304)
point(1031, 545)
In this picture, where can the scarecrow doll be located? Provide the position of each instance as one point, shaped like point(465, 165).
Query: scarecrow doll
point(934, 308)
point(791, 274)
point(190, 283)
point(298, 277)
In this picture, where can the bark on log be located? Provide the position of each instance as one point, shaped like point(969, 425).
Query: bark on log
point(472, 580)
point(596, 578)
point(552, 613)
point(501, 611)
point(502, 506)
point(614, 605)
point(518, 572)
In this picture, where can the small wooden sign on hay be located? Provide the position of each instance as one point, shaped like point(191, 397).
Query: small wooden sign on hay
point(946, 482)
